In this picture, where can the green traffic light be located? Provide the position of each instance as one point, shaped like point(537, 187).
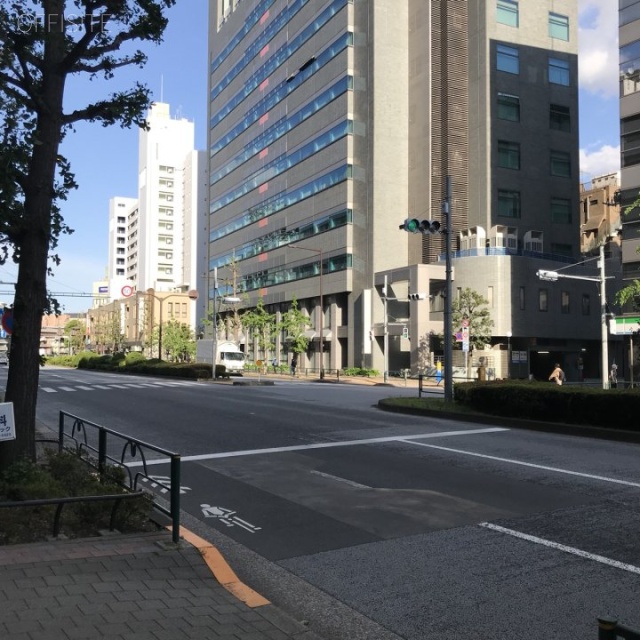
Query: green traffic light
point(412, 225)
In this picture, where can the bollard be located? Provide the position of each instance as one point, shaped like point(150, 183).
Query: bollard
point(420, 386)
point(607, 629)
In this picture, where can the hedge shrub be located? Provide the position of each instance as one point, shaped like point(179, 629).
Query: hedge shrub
point(619, 408)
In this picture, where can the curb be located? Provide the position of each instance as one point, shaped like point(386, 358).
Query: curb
point(602, 433)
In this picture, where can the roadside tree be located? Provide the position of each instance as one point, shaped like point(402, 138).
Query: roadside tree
point(43, 44)
point(472, 307)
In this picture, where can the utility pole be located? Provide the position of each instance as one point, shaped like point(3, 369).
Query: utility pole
point(448, 338)
point(603, 320)
point(385, 332)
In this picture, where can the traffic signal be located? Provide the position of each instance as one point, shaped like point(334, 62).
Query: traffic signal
point(417, 296)
point(413, 225)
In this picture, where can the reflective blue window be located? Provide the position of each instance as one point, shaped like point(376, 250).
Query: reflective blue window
point(559, 71)
point(282, 237)
point(250, 22)
point(256, 46)
point(283, 200)
point(277, 96)
point(280, 275)
point(282, 163)
point(507, 59)
point(276, 60)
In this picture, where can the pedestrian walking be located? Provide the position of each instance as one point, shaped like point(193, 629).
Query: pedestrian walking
point(557, 375)
point(613, 376)
point(294, 364)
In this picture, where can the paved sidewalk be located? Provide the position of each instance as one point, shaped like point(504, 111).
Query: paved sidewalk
point(126, 587)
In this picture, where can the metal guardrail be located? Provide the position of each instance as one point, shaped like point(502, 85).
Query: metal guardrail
point(88, 437)
point(117, 498)
point(611, 630)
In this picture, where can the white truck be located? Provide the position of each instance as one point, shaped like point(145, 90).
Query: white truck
point(230, 355)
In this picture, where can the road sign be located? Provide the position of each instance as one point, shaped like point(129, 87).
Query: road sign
point(126, 291)
point(7, 425)
point(7, 320)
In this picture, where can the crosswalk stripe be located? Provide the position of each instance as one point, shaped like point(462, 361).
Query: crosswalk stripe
point(49, 390)
point(68, 389)
point(84, 388)
point(101, 386)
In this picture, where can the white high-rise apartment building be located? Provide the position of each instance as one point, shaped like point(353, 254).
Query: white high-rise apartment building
point(156, 250)
point(153, 239)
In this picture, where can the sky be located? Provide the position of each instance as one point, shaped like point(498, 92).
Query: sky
point(105, 160)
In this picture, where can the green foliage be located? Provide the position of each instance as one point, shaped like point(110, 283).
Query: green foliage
point(35, 65)
point(63, 475)
point(178, 341)
point(221, 371)
point(263, 324)
point(134, 357)
point(294, 324)
point(358, 371)
point(469, 306)
point(629, 295)
point(118, 357)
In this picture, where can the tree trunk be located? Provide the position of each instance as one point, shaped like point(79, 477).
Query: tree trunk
point(31, 289)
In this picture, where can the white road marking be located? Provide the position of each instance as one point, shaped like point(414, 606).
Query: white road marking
point(118, 386)
point(49, 390)
point(68, 388)
point(351, 483)
point(322, 445)
point(542, 467)
point(561, 547)
point(84, 388)
point(101, 386)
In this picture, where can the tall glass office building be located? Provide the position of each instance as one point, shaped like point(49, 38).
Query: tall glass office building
point(331, 121)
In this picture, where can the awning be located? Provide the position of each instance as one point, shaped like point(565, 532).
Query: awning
point(311, 334)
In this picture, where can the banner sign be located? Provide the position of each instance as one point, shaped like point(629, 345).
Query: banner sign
point(7, 425)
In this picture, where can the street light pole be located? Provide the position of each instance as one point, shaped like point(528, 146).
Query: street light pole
point(320, 253)
point(160, 301)
point(603, 321)
point(386, 332)
point(448, 338)
point(214, 299)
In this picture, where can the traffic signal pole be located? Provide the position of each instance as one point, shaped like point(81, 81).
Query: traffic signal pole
point(448, 338)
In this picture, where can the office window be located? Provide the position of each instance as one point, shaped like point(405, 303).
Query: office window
point(522, 298)
point(629, 11)
point(560, 118)
point(507, 59)
point(564, 302)
point(560, 164)
point(630, 141)
point(561, 210)
point(559, 71)
point(507, 12)
point(508, 154)
point(508, 203)
point(558, 26)
point(508, 107)
point(586, 304)
point(543, 300)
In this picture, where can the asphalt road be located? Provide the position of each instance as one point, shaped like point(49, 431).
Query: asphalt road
point(430, 528)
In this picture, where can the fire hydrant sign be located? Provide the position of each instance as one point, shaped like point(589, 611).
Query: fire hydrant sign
point(7, 425)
